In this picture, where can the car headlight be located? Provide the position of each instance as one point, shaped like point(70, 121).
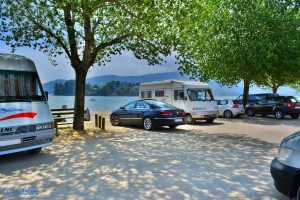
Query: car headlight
point(43, 126)
point(284, 154)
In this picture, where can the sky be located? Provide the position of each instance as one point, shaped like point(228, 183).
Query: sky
point(122, 65)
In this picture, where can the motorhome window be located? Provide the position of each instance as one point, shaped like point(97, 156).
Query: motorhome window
point(200, 94)
point(178, 95)
point(20, 86)
point(159, 93)
point(146, 94)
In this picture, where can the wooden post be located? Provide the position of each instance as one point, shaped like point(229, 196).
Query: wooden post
point(56, 127)
point(103, 123)
point(99, 122)
point(96, 120)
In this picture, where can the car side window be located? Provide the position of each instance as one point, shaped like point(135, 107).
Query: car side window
point(130, 106)
point(271, 101)
point(261, 102)
point(223, 102)
point(142, 105)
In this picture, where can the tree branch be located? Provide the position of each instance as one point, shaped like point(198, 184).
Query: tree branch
point(48, 31)
point(107, 44)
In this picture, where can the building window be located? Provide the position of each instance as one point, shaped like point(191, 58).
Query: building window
point(178, 94)
point(146, 94)
point(160, 93)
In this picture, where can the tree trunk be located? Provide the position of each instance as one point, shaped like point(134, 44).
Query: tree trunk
point(275, 88)
point(78, 123)
point(246, 91)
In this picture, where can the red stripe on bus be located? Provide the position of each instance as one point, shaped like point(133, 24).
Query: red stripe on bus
point(20, 115)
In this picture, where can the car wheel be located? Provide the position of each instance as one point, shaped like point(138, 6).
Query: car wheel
point(189, 119)
point(148, 124)
point(172, 127)
point(35, 151)
point(227, 114)
point(278, 114)
point(210, 121)
point(294, 116)
point(114, 120)
point(250, 112)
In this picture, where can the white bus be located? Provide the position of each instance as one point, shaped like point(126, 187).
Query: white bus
point(26, 123)
point(195, 98)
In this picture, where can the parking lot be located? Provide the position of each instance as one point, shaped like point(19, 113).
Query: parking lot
point(228, 159)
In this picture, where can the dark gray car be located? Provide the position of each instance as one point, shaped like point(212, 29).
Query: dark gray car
point(285, 168)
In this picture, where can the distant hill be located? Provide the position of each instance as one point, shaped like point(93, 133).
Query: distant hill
point(49, 86)
point(218, 91)
point(101, 80)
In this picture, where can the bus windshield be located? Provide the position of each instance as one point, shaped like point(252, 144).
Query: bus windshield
point(199, 94)
point(20, 86)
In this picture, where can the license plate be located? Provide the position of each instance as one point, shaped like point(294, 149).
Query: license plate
point(10, 142)
point(178, 120)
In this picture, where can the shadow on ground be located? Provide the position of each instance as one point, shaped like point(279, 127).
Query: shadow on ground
point(266, 120)
point(166, 164)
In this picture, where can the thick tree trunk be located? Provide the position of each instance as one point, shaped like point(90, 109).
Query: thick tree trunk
point(246, 91)
point(78, 123)
point(275, 88)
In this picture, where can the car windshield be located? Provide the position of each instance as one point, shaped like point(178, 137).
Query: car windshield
point(199, 94)
point(162, 105)
point(20, 86)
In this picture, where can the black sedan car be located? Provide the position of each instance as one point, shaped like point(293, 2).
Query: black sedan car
point(148, 113)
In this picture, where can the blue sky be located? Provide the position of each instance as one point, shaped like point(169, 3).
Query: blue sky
point(122, 65)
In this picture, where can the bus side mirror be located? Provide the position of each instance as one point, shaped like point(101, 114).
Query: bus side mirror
point(181, 95)
point(47, 94)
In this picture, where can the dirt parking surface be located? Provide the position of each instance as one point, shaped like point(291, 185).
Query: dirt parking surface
point(228, 159)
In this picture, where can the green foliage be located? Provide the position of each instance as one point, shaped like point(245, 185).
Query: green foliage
point(255, 41)
point(67, 88)
point(89, 32)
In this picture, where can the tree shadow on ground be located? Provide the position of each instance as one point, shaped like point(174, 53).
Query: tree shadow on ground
point(148, 165)
point(264, 120)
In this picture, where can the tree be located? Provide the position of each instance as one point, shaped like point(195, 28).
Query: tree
point(89, 32)
point(233, 40)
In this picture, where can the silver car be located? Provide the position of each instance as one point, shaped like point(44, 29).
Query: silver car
point(285, 168)
point(230, 108)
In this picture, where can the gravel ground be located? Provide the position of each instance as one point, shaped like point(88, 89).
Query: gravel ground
point(228, 159)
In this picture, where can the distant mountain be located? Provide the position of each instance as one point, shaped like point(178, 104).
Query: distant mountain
point(49, 86)
point(101, 80)
point(218, 90)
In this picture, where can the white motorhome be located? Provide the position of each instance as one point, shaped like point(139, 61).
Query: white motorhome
point(195, 98)
point(26, 123)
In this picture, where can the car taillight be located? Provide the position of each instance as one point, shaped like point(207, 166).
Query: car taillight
point(235, 106)
point(165, 113)
point(289, 104)
point(182, 113)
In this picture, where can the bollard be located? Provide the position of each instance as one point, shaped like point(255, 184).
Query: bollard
point(103, 123)
point(96, 120)
point(99, 122)
point(56, 128)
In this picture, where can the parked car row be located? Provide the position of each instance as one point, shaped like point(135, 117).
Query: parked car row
point(278, 106)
